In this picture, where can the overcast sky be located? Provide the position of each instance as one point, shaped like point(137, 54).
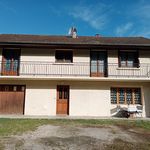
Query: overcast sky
point(54, 17)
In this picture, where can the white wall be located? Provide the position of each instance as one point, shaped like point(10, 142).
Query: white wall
point(146, 96)
point(84, 101)
point(89, 99)
point(40, 99)
point(86, 98)
point(82, 55)
point(48, 55)
point(144, 56)
point(113, 56)
point(33, 54)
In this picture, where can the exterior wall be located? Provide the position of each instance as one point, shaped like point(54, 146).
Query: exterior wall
point(86, 98)
point(40, 99)
point(42, 62)
point(89, 99)
point(113, 56)
point(41, 55)
point(48, 55)
point(82, 69)
point(144, 56)
point(81, 56)
point(146, 96)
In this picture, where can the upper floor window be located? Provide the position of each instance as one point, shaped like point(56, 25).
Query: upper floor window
point(10, 61)
point(98, 63)
point(63, 56)
point(128, 59)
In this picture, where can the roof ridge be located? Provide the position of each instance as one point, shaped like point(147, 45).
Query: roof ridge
point(31, 34)
point(82, 36)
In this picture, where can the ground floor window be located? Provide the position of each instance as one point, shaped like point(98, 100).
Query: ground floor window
point(12, 88)
point(126, 96)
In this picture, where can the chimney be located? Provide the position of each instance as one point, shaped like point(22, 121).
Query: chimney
point(73, 32)
point(97, 35)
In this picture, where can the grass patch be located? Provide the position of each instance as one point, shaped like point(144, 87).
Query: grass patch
point(18, 126)
point(119, 144)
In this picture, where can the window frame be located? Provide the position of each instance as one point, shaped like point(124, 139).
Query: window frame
point(133, 101)
point(127, 54)
point(64, 54)
point(13, 66)
point(97, 72)
point(12, 88)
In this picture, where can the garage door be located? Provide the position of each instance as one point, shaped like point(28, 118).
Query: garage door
point(12, 99)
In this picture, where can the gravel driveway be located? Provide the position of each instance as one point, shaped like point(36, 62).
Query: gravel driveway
point(50, 137)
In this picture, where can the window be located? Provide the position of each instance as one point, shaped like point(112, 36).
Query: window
point(64, 56)
point(12, 88)
point(121, 95)
point(126, 96)
point(98, 63)
point(114, 96)
point(137, 96)
point(129, 96)
point(128, 59)
point(10, 61)
point(63, 92)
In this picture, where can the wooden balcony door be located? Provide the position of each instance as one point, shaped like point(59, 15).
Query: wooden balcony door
point(63, 99)
point(98, 63)
point(10, 62)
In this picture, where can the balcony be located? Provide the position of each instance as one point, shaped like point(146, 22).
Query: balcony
point(81, 69)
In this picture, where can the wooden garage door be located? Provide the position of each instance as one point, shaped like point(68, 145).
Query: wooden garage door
point(12, 99)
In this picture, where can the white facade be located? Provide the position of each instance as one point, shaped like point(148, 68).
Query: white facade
point(88, 96)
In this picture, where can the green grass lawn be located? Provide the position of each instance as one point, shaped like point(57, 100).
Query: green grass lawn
point(18, 126)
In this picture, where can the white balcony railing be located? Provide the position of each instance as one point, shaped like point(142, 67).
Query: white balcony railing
point(80, 69)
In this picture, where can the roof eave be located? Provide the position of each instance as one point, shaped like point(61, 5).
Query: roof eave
point(78, 45)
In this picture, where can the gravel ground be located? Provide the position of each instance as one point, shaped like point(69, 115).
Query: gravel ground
point(49, 137)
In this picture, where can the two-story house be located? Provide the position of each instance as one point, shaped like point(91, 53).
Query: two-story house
point(75, 76)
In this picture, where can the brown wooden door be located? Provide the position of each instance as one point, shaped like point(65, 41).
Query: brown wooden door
point(10, 62)
point(63, 99)
point(12, 99)
point(98, 64)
